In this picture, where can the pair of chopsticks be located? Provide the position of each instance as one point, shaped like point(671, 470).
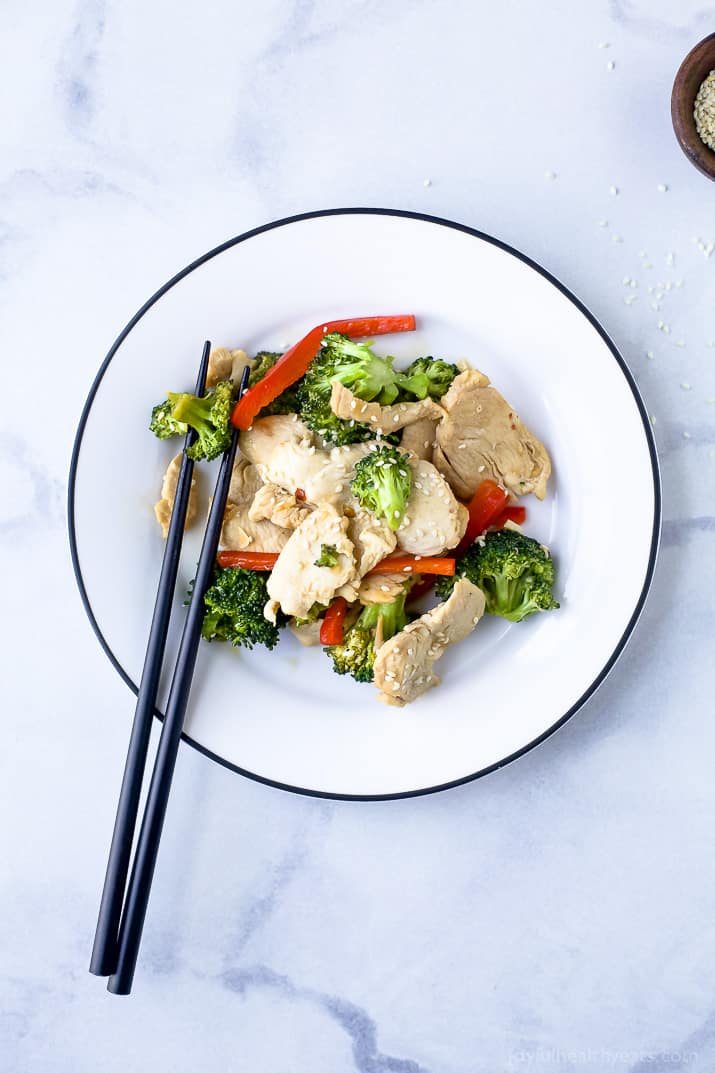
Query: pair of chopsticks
point(123, 907)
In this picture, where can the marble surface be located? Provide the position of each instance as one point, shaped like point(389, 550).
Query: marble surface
point(555, 915)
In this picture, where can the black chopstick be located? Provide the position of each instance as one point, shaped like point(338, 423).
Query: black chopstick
point(104, 950)
point(130, 931)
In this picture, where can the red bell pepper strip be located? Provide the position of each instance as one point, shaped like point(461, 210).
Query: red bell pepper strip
point(488, 501)
point(293, 364)
point(509, 514)
point(332, 628)
point(248, 560)
point(410, 564)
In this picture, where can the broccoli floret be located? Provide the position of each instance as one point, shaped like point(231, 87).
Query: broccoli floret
point(162, 423)
point(513, 571)
point(367, 375)
point(234, 609)
point(209, 415)
point(429, 376)
point(328, 555)
point(382, 484)
point(356, 655)
point(287, 401)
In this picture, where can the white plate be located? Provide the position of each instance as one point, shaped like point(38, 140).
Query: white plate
point(283, 716)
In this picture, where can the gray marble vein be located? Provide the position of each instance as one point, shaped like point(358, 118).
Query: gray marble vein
point(354, 1021)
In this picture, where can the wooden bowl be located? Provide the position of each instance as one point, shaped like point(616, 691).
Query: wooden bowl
point(694, 69)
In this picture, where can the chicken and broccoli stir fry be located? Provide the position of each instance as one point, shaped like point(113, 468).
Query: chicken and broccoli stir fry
point(356, 486)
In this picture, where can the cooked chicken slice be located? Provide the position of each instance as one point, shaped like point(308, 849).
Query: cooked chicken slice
point(287, 454)
point(418, 438)
point(272, 503)
point(308, 633)
point(403, 665)
point(226, 364)
point(296, 583)
point(372, 540)
point(372, 537)
point(481, 436)
point(164, 507)
point(434, 520)
point(381, 588)
point(240, 531)
point(383, 419)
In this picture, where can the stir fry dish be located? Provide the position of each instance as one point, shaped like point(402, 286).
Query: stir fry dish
point(360, 494)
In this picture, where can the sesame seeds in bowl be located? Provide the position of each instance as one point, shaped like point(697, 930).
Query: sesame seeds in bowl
point(693, 106)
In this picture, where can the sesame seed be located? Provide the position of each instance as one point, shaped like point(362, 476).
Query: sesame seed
point(686, 434)
point(613, 190)
point(649, 354)
point(603, 223)
point(549, 174)
point(395, 686)
point(353, 404)
point(426, 443)
point(417, 557)
point(680, 342)
point(407, 569)
point(384, 588)
point(616, 238)
point(481, 469)
point(662, 188)
point(610, 65)
point(374, 417)
point(626, 280)
point(427, 182)
point(410, 651)
point(461, 446)
point(363, 408)
point(604, 44)
point(652, 419)
point(396, 418)
point(630, 299)
point(685, 385)
point(338, 487)
point(647, 264)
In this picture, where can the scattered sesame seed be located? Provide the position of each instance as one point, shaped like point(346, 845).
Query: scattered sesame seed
point(686, 434)
point(396, 418)
point(630, 299)
point(374, 417)
point(652, 419)
point(642, 253)
point(481, 469)
point(427, 182)
point(603, 223)
point(384, 588)
point(616, 238)
point(613, 190)
point(685, 385)
point(395, 686)
point(662, 188)
point(680, 342)
point(407, 569)
point(604, 44)
point(353, 404)
point(549, 174)
point(610, 65)
point(626, 280)
point(417, 557)
point(656, 307)
point(426, 443)
point(649, 354)
point(461, 446)
point(338, 487)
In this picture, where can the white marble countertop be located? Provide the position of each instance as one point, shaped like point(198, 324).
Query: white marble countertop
point(554, 915)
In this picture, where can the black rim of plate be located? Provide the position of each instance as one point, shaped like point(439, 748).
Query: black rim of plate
point(440, 222)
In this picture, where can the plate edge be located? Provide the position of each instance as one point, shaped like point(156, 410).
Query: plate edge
point(524, 258)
